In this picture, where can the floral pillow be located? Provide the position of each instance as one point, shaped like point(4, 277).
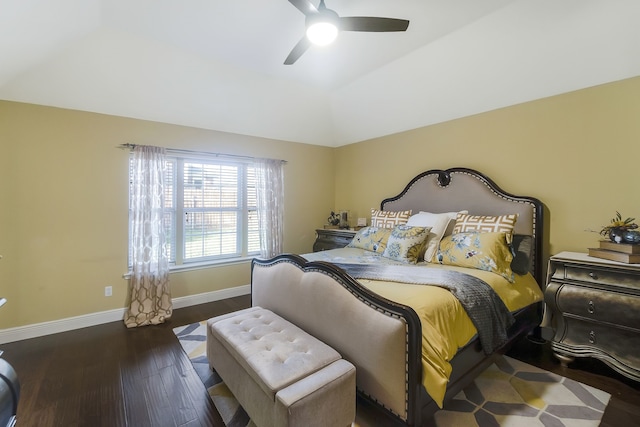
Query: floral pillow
point(482, 251)
point(372, 239)
point(485, 223)
point(441, 224)
point(389, 219)
point(406, 243)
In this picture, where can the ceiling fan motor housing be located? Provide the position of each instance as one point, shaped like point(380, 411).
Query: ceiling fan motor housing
point(323, 15)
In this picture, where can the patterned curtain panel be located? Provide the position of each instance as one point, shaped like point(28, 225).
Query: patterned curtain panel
point(149, 284)
point(270, 195)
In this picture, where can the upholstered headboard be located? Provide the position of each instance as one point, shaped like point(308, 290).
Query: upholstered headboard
point(459, 189)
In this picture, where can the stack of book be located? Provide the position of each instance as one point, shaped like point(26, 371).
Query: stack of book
point(621, 252)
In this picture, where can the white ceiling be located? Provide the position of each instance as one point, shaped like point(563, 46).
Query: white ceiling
point(218, 64)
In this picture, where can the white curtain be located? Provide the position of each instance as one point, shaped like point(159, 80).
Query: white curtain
point(150, 297)
point(270, 194)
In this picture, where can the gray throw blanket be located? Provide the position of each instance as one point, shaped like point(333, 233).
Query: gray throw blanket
point(483, 305)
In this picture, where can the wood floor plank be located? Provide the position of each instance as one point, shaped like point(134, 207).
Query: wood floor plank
point(136, 413)
point(45, 417)
point(181, 403)
point(159, 406)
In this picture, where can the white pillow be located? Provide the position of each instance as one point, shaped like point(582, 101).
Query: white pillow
point(440, 224)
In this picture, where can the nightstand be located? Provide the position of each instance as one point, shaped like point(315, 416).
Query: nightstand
point(332, 239)
point(595, 309)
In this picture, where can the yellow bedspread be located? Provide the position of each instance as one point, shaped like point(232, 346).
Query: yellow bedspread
point(446, 327)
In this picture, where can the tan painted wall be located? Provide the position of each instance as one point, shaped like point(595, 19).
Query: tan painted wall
point(63, 207)
point(577, 152)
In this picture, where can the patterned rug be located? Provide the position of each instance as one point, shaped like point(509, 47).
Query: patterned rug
point(508, 393)
point(514, 393)
point(193, 339)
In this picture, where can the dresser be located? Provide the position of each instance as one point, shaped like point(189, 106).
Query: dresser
point(332, 239)
point(595, 310)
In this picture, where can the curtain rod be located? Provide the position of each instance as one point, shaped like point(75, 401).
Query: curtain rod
point(200, 153)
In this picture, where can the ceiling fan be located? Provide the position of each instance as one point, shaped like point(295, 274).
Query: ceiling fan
point(323, 25)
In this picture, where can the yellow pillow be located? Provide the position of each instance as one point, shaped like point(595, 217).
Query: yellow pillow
point(406, 243)
point(482, 251)
point(389, 219)
point(485, 223)
point(372, 239)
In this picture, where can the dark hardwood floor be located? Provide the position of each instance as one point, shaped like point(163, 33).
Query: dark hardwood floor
point(108, 375)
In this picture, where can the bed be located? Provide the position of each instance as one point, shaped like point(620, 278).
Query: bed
point(416, 346)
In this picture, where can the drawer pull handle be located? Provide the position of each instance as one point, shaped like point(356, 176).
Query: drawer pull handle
point(591, 308)
point(592, 337)
point(593, 275)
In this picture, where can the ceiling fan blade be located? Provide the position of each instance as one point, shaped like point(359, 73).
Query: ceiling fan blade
point(304, 6)
point(297, 51)
point(368, 23)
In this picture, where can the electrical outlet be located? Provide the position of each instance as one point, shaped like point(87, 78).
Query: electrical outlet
point(107, 291)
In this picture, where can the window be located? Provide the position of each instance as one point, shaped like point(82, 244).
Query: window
point(210, 210)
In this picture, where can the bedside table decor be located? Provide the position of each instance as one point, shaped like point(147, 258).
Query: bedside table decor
point(333, 221)
point(621, 252)
point(595, 308)
point(620, 230)
point(338, 220)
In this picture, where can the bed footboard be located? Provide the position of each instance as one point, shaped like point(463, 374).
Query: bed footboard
point(380, 337)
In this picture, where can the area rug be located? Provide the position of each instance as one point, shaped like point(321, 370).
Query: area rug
point(514, 393)
point(193, 339)
point(508, 393)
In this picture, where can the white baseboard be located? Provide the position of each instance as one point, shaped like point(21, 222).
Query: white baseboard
point(47, 328)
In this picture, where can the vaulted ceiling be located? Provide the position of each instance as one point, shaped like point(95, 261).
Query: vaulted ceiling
point(218, 64)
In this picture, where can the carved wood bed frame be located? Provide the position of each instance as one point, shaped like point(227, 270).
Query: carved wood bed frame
point(382, 338)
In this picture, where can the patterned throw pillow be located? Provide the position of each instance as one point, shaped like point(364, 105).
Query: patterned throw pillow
point(406, 243)
point(485, 223)
point(482, 251)
point(441, 224)
point(389, 219)
point(372, 239)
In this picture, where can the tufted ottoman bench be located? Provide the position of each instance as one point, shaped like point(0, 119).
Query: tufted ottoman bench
point(281, 375)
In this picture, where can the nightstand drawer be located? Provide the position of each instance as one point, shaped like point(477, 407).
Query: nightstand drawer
point(590, 274)
point(331, 239)
point(596, 304)
point(621, 344)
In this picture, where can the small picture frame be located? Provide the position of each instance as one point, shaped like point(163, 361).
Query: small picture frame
point(362, 222)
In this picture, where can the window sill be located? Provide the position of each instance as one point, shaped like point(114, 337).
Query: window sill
point(201, 265)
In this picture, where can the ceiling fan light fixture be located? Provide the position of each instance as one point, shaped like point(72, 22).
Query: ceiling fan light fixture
point(323, 24)
point(322, 33)
point(322, 27)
